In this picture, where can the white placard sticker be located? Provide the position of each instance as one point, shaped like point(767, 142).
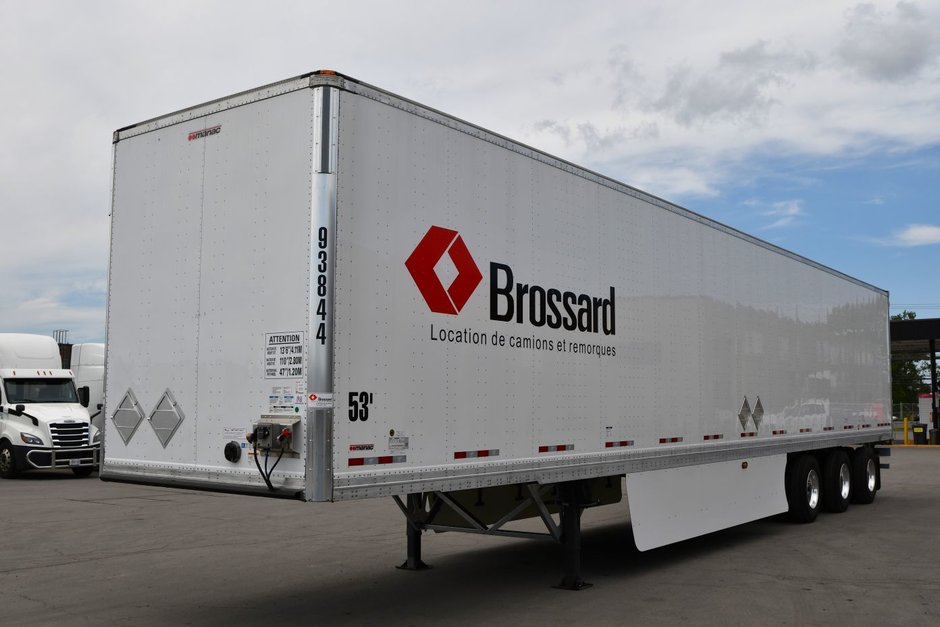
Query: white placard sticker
point(234, 433)
point(284, 355)
point(398, 443)
point(283, 400)
point(320, 400)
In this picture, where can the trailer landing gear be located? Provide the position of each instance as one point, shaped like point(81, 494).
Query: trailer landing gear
point(573, 497)
point(485, 512)
point(413, 532)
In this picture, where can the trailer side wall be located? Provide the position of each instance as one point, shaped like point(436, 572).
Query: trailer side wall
point(702, 319)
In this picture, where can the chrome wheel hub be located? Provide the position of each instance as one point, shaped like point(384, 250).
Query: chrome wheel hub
point(812, 489)
point(845, 481)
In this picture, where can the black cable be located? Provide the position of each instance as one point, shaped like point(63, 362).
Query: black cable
point(258, 464)
point(277, 461)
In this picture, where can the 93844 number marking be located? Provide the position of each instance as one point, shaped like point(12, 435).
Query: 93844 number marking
point(323, 240)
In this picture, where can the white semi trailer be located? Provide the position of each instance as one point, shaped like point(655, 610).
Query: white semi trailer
point(87, 362)
point(320, 290)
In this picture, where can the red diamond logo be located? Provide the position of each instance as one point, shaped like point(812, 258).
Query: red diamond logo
point(429, 251)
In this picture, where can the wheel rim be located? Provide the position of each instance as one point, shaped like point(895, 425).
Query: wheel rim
point(812, 489)
point(845, 481)
point(870, 471)
point(6, 460)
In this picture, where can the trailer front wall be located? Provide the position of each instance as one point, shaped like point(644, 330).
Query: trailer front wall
point(210, 257)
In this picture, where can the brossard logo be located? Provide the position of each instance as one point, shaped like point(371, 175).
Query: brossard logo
point(509, 301)
point(425, 256)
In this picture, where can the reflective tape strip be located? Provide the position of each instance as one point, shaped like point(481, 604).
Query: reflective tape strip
point(780, 432)
point(749, 434)
point(384, 459)
point(556, 448)
point(806, 430)
point(847, 427)
point(671, 440)
point(865, 426)
point(828, 428)
point(493, 452)
point(716, 436)
point(884, 424)
point(618, 443)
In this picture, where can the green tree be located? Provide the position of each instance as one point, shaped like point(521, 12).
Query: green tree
point(907, 375)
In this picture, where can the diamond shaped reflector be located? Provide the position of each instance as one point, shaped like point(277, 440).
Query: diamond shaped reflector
point(165, 418)
point(758, 413)
point(127, 416)
point(744, 414)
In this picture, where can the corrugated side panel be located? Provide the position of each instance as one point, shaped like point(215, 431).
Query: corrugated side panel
point(209, 260)
point(433, 393)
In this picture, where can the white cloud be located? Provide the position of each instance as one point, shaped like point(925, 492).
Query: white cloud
point(43, 299)
point(786, 213)
point(689, 90)
point(915, 235)
point(668, 180)
point(740, 87)
point(888, 46)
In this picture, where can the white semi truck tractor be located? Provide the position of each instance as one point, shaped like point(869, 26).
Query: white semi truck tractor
point(323, 291)
point(44, 422)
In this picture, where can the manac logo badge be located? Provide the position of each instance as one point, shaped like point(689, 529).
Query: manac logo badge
point(435, 243)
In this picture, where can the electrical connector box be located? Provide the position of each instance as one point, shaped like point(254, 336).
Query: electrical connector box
point(276, 433)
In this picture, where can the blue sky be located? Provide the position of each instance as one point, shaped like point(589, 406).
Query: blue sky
point(853, 214)
point(810, 124)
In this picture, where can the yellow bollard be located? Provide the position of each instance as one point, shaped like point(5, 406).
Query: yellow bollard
point(905, 431)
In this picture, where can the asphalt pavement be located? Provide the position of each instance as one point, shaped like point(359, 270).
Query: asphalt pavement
point(85, 552)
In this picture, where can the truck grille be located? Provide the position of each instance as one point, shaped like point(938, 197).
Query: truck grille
point(69, 434)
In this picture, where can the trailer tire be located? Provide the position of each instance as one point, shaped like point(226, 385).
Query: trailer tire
point(865, 473)
point(837, 481)
point(803, 488)
point(8, 468)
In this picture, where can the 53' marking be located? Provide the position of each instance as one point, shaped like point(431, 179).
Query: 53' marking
point(359, 403)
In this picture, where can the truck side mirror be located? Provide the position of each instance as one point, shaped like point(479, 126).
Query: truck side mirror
point(18, 410)
point(84, 395)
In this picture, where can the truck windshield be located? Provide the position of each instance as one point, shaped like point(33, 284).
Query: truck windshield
point(40, 391)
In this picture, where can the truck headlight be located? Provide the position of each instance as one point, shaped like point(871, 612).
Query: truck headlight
point(97, 437)
point(29, 438)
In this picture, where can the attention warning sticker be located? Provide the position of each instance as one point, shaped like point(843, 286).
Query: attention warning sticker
point(284, 355)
